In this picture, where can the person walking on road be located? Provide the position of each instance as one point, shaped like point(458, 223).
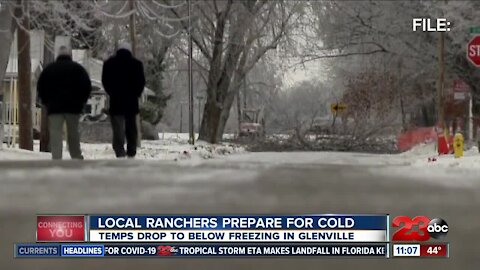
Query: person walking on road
point(64, 88)
point(124, 80)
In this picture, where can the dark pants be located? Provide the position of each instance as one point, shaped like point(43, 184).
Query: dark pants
point(56, 122)
point(124, 126)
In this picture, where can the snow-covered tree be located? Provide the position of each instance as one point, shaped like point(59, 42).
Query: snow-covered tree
point(233, 36)
point(351, 36)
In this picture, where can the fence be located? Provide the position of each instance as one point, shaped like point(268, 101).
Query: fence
point(409, 139)
point(9, 122)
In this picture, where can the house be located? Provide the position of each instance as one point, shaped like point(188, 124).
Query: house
point(93, 128)
point(96, 105)
point(9, 86)
point(98, 100)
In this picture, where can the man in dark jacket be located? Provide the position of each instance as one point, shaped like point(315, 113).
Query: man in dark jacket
point(64, 88)
point(124, 80)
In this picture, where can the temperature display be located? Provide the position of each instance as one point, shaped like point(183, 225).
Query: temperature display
point(437, 250)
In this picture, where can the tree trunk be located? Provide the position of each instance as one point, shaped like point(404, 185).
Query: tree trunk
point(239, 112)
point(224, 118)
point(6, 22)
point(25, 132)
point(210, 121)
point(228, 67)
point(217, 116)
point(219, 82)
point(48, 57)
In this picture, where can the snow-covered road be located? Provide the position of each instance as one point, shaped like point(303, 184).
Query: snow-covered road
point(301, 182)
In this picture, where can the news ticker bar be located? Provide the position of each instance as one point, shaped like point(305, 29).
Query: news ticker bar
point(415, 250)
point(35, 250)
point(236, 229)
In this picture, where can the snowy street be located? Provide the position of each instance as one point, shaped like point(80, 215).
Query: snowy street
point(297, 182)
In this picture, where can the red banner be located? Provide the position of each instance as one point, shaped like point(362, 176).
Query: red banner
point(60, 228)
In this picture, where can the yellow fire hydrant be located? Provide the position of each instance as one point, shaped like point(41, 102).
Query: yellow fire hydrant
point(458, 145)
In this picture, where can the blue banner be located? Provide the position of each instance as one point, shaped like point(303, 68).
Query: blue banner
point(82, 250)
point(37, 250)
point(257, 222)
point(204, 250)
point(354, 250)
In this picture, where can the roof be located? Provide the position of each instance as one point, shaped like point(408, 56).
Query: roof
point(36, 53)
point(12, 66)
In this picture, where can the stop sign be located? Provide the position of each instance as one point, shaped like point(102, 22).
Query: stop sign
point(473, 51)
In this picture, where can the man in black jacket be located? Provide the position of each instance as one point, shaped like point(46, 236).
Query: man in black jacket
point(124, 80)
point(64, 88)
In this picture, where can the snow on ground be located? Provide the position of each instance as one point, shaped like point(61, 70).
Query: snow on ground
point(174, 146)
point(419, 156)
point(310, 157)
point(18, 154)
point(164, 150)
point(171, 146)
point(416, 157)
point(414, 164)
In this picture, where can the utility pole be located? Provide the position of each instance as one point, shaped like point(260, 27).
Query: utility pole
point(400, 91)
point(181, 117)
point(133, 40)
point(190, 75)
point(441, 80)
point(239, 111)
point(133, 33)
point(48, 57)
point(199, 99)
point(25, 129)
point(245, 92)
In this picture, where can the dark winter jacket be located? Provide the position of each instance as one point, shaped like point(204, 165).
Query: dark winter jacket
point(64, 86)
point(124, 80)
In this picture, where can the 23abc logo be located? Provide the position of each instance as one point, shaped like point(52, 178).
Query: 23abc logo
point(166, 250)
point(436, 228)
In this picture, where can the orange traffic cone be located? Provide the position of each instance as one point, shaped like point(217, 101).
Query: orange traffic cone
point(442, 144)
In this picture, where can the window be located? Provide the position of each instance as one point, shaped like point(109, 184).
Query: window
point(87, 109)
point(5, 87)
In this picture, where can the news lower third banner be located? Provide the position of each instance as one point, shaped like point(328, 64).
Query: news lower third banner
point(224, 235)
point(234, 229)
point(280, 229)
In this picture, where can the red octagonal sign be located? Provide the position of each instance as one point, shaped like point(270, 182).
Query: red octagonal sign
point(473, 51)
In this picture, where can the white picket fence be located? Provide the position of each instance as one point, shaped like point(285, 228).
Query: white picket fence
point(9, 122)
